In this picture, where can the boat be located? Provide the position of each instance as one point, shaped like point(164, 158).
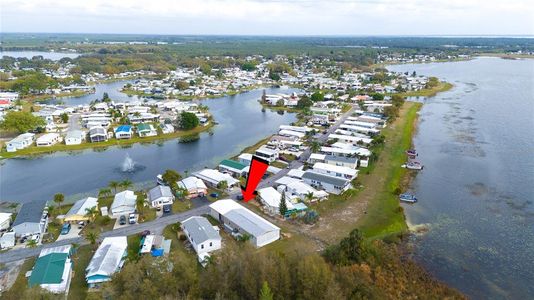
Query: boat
point(409, 198)
point(159, 180)
point(413, 165)
point(411, 152)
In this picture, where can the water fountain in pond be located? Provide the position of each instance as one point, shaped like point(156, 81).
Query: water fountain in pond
point(128, 165)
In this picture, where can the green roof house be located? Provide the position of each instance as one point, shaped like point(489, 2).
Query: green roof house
point(233, 167)
point(52, 271)
point(145, 129)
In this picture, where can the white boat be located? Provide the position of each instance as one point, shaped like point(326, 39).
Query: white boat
point(159, 180)
point(413, 165)
point(409, 198)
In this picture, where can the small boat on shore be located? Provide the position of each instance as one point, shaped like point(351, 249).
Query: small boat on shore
point(408, 198)
point(411, 152)
point(413, 165)
point(159, 180)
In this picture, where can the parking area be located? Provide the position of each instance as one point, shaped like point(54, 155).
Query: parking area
point(73, 233)
point(126, 221)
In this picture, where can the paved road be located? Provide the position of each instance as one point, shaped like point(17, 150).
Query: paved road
point(159, 224)
point(156, 226)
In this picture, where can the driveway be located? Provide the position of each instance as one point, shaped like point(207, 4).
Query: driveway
point(74, 232)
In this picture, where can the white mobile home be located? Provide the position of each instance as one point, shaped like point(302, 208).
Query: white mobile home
point(239, 220)
point(48, 139)
point(20, 142)
point(202, 235)
point(123, 203)
point(331, 184)
point(74, 137)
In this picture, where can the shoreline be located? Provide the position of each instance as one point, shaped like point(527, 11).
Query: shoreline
point(34, 150)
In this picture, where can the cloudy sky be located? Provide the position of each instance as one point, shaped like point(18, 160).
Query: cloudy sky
point(271, 17)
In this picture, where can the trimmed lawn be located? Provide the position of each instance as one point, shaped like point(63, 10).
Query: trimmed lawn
point(181, 205)
point(80, 259)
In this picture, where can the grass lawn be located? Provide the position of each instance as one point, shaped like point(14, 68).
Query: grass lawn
point(146, 213)
point(80, 259)
point(278, 164)
point(177, 246)
point(441, 87)
point(384, 214)
point(181, 205)
point(134, 245)
point(373, 208)
point(21, 283)
point(102, 145)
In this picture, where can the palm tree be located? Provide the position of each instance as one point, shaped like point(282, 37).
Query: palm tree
point(309, 196)
point(92, 237)
point(59, 198)
point(31, 244)
point(315, 146)
point(126, 183)
point(114, 185)
point(104, 192)
point(91, 212)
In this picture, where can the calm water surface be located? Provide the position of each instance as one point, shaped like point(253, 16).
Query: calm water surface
point(46, 55)
point(477, 189)
point(241, 123)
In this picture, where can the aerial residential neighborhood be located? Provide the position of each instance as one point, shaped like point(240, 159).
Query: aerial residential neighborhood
point(268, 150)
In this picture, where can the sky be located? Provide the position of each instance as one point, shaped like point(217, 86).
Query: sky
point(270, 17)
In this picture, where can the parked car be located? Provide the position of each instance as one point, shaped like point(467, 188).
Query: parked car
point(81, 224)
point(65, 228)
point(167, 208)
point(132, 219)
point(122, 220)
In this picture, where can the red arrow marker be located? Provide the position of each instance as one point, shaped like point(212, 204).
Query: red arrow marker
point(258, 167)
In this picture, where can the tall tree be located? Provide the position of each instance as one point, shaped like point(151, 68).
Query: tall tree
point(21, 121)
point(126, 183)
point(188, 120)
point(114, 185)
point(265, 292)
point(92, 237)
point(283, 205)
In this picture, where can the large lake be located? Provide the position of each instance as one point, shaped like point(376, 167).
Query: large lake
point(46, 55)
point(241, 123)
point(477, 189)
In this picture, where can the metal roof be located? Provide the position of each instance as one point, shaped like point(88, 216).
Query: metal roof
point(200, 229)
point(337, 181)
point(48, 269)
point(158, 192)
point(107, 257)
point(29, 212)
point(80, 207)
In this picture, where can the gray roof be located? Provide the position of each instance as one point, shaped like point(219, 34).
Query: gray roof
point(77, 207)
point(29, 212)
point(337, 181)
point(200, 229)
point(97, 131)
point(249, 222)
point(159, 191)
point(343, 159)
